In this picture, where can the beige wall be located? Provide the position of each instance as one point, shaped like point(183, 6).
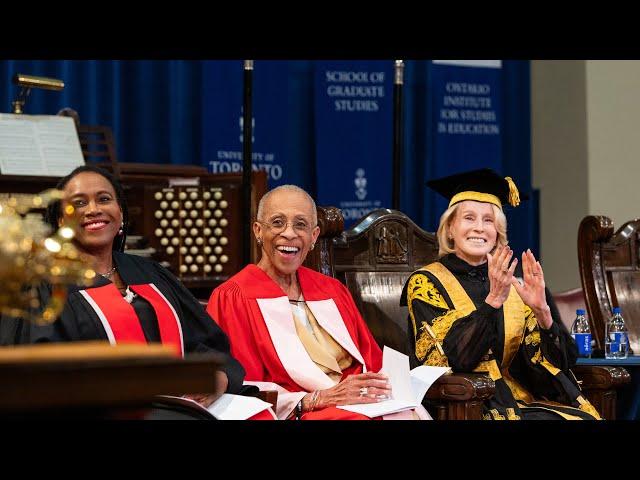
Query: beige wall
point(585, 144)
point(613, 105)
point(559, 164)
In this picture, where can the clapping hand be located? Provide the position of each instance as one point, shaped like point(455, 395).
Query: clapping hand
point(532, 291)
point(500, 275)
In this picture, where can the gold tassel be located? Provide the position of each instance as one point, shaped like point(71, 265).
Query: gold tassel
point(514, 195)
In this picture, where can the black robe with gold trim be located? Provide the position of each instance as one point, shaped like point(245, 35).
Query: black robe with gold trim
point(79, 321)
point(530, 365)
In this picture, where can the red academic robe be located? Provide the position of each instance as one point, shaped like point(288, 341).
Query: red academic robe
point(255, 313)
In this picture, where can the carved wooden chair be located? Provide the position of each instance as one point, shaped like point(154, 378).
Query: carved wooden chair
point(374, 259)
point(610, 274)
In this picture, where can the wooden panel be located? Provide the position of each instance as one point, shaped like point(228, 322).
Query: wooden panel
point(98, 145)
point(374, 259)
point(377, 296)
point(98, 380)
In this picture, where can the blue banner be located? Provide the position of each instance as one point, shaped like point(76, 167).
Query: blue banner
point(354, 135)
point(466, 118)
point(222, 119)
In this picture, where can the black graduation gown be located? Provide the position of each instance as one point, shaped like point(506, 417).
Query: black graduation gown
point(79, 321)
point(479, 337)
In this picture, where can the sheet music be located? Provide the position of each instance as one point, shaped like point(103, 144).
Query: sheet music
point(38, 145)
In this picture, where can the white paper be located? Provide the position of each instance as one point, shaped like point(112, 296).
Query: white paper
point(395, 365)
point(237, 407)
point(379, 409)
point(408, 388)
point(38, 145)
point(423, 377)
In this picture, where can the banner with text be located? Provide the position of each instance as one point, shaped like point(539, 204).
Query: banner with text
point(222, 119)
point(354, 135)
point(466, 102)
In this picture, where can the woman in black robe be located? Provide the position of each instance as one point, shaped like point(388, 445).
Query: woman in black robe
point(471, 312)
point(133, 299)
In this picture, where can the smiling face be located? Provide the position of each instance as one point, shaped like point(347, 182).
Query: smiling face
point(473, 230)
point(96, 211)
point(287, 230)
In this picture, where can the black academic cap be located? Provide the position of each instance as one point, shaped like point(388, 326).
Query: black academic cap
point(483, 185)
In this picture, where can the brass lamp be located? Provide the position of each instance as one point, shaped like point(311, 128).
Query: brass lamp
point(27, 82)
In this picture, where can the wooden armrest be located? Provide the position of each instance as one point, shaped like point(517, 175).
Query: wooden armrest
point(600, 377)
point(270, 396)
point(462, 387)
point(599, 384)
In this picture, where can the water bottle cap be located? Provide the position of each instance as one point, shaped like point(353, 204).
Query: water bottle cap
point(579, 311)
point(616, 309)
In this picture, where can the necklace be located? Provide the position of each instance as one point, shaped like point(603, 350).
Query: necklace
point(108, 274)
point(298, 301)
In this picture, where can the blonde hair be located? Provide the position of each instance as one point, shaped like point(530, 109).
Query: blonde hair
point(445, 244)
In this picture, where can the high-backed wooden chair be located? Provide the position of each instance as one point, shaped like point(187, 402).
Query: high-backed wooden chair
point(610, 274)
point(374, 259)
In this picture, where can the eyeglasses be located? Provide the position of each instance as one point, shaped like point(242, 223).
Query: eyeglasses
point(278, 226)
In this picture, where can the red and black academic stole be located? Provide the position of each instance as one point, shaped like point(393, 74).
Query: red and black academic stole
point(120, 321)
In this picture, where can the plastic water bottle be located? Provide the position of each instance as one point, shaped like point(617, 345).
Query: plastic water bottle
point(616, 341)
point(581, 334)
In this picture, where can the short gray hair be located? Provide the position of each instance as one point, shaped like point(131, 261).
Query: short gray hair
point(287, 188)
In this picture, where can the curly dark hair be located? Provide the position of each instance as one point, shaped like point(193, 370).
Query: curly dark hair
point(54, 210)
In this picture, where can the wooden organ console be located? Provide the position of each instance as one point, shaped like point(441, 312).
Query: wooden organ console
point(188, 220)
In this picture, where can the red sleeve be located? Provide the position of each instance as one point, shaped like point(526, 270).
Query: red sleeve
point(363, 338)
point(230, 309)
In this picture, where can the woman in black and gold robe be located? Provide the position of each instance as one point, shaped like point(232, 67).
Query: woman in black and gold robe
point(469, 310)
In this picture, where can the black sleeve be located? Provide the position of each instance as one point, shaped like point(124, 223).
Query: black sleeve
point(555, 346)
point(201, 333)
point(463, 339)
point(10, 328)
point(17, 331)
point(471, 337)
point(556, 343)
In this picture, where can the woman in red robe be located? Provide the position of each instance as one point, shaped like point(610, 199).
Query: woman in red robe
point(294, 329)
